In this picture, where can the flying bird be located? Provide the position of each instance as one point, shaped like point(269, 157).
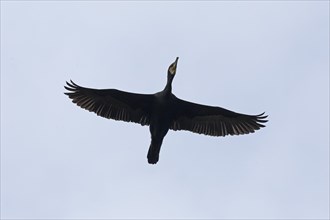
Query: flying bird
point(163, 111)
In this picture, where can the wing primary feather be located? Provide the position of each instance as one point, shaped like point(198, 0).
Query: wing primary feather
point(239, 128)
point(236, 129)
point(246, 128)
point(225, 129)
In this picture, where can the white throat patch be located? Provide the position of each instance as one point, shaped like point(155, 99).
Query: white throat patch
point(172, 69)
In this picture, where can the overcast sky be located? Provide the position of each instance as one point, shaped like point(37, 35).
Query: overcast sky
point(60, 161)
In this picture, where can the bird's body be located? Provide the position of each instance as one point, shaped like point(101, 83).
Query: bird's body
point(163, 111)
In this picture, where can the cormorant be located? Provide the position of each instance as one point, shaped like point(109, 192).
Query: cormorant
point(163, 111)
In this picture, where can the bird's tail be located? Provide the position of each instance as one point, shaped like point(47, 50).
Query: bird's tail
point(153, 153)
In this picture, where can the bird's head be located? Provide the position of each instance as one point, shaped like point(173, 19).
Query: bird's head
point(172, 68)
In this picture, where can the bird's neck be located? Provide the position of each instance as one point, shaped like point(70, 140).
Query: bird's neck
point(168, 87)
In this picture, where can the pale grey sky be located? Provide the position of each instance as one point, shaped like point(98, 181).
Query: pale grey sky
point(60, 161)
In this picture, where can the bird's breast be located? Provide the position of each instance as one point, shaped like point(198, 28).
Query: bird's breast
point(163, 107)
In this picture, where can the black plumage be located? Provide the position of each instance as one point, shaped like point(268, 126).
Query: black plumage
point(163, 111)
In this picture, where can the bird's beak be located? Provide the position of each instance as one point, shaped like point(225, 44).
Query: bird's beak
point(176, 62)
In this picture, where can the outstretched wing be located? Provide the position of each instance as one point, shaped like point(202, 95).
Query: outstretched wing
point(112, 103)
point(214, 121)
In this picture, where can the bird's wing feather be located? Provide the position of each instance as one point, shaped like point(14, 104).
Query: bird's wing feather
point(214, 121)
point(112, 103)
